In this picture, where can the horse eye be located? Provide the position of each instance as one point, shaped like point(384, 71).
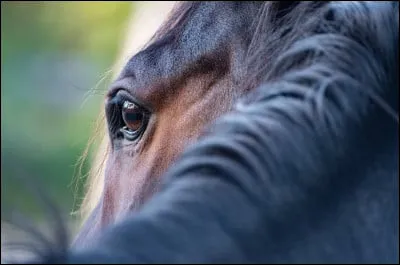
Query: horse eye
point(134, 119)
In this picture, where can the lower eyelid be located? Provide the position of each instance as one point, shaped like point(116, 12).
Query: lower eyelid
point(142, 141)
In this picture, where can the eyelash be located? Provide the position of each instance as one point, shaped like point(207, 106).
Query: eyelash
point(117, 117)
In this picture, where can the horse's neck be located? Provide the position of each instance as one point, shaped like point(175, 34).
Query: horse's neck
point(358, 223)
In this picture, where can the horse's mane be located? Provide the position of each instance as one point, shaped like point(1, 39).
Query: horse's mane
point(326, 82)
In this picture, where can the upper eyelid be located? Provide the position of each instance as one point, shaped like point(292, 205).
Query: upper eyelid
point(117, 86)
point(122, 86)
point(123, 95)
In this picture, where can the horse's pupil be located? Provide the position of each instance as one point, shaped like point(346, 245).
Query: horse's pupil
point(132, 115)
point(133, 120)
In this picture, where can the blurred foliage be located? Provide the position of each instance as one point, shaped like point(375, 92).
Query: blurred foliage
point(52, 55)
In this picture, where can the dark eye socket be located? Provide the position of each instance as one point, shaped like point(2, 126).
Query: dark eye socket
point(126, 118)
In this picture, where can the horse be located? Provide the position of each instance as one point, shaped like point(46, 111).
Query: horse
point(194, 60)
point(252, 132)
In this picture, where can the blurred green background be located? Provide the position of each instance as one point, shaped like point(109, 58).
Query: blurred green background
point(53, 54)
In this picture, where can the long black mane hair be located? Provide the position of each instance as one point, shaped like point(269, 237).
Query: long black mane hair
point(304, 169)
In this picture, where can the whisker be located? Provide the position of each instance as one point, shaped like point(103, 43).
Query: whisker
point(91, 91)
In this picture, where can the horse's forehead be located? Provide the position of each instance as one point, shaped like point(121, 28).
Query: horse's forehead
point(202, 44)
